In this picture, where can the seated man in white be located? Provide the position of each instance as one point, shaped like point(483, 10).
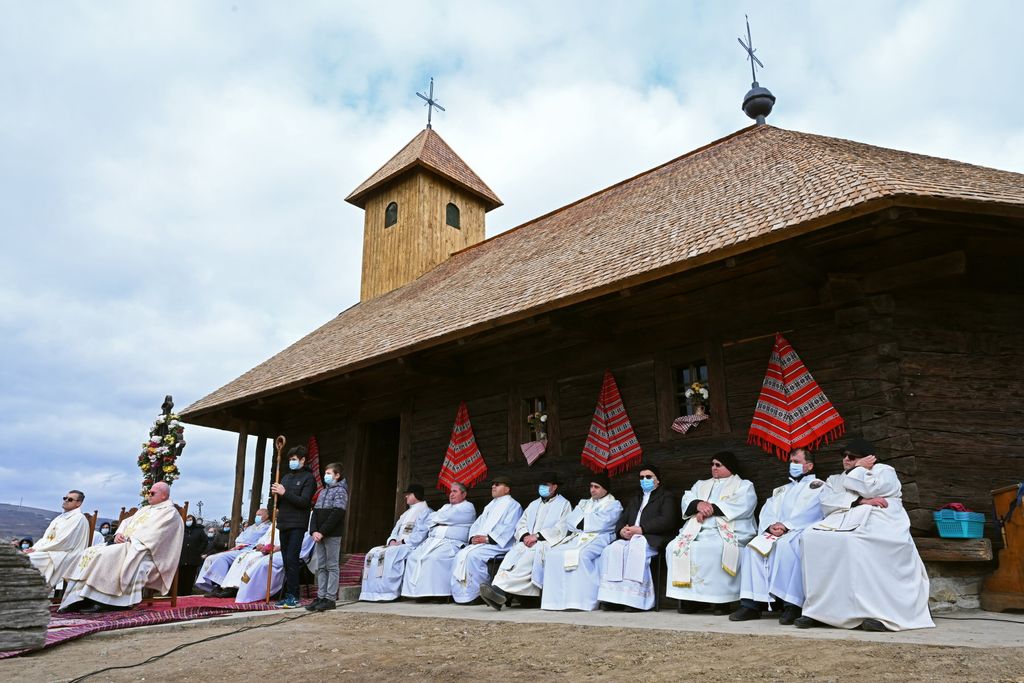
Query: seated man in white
point(428, 568)
point(385, 564)
point(215, 567)
point(861, 567)
point(543, 523)
point(62, 542)
point(704, 559)
point(490, 536)
point(642, 528)
point(246, 579)
point(144, 554)
point(771, 568)
point(568, 572)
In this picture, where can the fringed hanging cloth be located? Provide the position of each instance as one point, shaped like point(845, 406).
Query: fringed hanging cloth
point(313, 463)
point(463, 463)
point(611, 444)
point(792, 410)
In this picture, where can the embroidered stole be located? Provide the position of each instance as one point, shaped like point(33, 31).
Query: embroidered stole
point(681, 567)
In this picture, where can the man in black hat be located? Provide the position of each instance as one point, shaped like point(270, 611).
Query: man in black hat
point(382, 572)
point(542, 523)
point(870, 575)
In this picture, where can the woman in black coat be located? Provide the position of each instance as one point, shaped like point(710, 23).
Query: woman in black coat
point(193, 547)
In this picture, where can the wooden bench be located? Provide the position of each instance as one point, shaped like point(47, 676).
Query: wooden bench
point(954, 549)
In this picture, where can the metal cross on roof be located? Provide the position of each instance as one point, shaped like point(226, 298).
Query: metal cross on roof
point(749, 47)
point(429, 101)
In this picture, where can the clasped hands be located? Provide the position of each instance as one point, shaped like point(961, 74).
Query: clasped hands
point(876, 502)
point(777, 529)
point(631, 530)
point(530, 540)
point(704, 510)
point(478, 539)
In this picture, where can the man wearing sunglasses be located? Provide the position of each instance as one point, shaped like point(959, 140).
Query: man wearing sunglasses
point(67, 535)
point(643, 528)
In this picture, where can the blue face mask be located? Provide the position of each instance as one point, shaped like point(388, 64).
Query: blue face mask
point(544, 490)
point(294, 464)
point(647, 485)
point(796, 470)
point(226, 529)
point(328, 479)
point(25, 546)
point(188, 524)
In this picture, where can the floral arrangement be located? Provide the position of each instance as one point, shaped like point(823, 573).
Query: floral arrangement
point(160, 452)
point(698, 394)
point(537, 422)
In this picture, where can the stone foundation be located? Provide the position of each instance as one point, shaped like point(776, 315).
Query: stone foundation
point(956, 585)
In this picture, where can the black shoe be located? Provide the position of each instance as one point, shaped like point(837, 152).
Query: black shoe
point(494, 597)
point(873, 625)
point(628, 608)
point(722, 608)
point(806, 622)
point(312, 607)
point(789, 615)
point(74, 608)
point(745, 614)
point(327, 604)
point(690, 607)
point(610, 607)
point(98, 607)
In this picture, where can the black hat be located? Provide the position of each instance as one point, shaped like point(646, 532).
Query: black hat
point(501, 479)
point(860, 448)
point(728, 458)
point(550, 477)
point(602, 480)
point(652, 468)
point(416, 490)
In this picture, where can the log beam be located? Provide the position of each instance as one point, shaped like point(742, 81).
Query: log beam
point(236, 501)
point(954, 549)
point(259, 467)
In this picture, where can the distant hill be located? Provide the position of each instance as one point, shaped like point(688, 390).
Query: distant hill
point(18, 521)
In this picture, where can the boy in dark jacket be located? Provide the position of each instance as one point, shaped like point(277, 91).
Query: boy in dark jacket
point(326, 527)
point(294, 499)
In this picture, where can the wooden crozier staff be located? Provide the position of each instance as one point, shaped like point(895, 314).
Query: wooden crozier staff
point(279, 446)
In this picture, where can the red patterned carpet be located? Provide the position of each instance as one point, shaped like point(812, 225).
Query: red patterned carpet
point(65, 627)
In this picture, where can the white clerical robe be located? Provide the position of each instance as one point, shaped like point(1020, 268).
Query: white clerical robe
point(497, 522)
point(860, 561)
point(715, 545)
point(385, 564)
point(515, 575)
point(569, 571)
point(248, 573)
point(64, 539)
point(428, 568)
point(116, 574)
point(215, 567)
point(779, 574)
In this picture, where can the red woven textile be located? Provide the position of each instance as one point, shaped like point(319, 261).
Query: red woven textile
point(313, 463)
point(792, 410)
point(611, 444)
point(463, 463)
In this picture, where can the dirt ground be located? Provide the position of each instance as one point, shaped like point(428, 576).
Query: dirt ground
point(366, 647)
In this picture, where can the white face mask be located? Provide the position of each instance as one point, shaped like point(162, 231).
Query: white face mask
point(189, 524)
point(796, 469)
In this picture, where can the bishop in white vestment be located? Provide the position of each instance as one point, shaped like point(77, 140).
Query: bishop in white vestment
point(861, 567)
point(428, 568)
point(144, 554)
point(215, 567)
point(568, 572)
point(541, 524)
point(64, 539)
point(771, 568)
point(385, 564)
point(704, 559)
point(490, 536)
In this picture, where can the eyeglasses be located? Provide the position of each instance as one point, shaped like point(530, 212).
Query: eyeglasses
point(717, 464)
point(647, 476)
point(70, 500)
point(150, 493)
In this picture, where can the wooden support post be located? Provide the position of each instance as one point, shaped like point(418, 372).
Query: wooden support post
point(404, 457)
point(256, 492)
point(236, 501)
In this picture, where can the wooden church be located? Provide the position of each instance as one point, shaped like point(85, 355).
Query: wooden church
point(895, 276)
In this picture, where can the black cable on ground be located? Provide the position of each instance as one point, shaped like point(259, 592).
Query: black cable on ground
point(1005, 621)
point(216, 636)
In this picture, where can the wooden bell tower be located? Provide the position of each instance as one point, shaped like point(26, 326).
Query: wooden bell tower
point(420, 207)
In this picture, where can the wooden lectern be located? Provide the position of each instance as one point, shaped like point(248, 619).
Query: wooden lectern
point(1004, 589)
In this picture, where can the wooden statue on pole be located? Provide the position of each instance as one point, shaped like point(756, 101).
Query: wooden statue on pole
point(279, 443)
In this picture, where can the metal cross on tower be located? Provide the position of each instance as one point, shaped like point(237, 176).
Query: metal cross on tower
point(749, 47)
point(429, 101)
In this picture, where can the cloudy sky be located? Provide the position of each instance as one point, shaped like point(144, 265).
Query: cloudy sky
point(172, 174)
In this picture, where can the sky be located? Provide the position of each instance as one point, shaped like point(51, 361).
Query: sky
point(173, 174)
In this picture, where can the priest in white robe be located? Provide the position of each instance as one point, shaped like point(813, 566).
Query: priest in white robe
point(704, 559)
point(246, 579)
point(541, 524)
point(428, 568)
point(861, 567)
point(568, 572)
point(215, 567)
point(385, 564)
point(771, 568)
point(64, 539)
point(144, 554)
point(491, 535)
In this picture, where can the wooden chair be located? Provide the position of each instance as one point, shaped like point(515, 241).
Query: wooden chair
point(173, 594)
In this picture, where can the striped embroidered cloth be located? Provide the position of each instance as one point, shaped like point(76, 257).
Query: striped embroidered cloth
point(463, 463)
point(792, 410)
point(611, 444)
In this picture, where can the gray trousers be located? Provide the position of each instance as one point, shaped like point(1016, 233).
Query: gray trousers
point(327, 553)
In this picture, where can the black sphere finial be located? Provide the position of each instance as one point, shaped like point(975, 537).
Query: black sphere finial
point(758, 103)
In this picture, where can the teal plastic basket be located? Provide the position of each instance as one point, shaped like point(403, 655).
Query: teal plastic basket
point(953, 524)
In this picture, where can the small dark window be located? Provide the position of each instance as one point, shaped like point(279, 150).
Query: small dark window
point(391, 215)
point(536, 410)
point(451, 215)
point(692, 378)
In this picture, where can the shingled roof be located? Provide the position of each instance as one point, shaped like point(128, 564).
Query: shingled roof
point(427, 150)
point(760, 185)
